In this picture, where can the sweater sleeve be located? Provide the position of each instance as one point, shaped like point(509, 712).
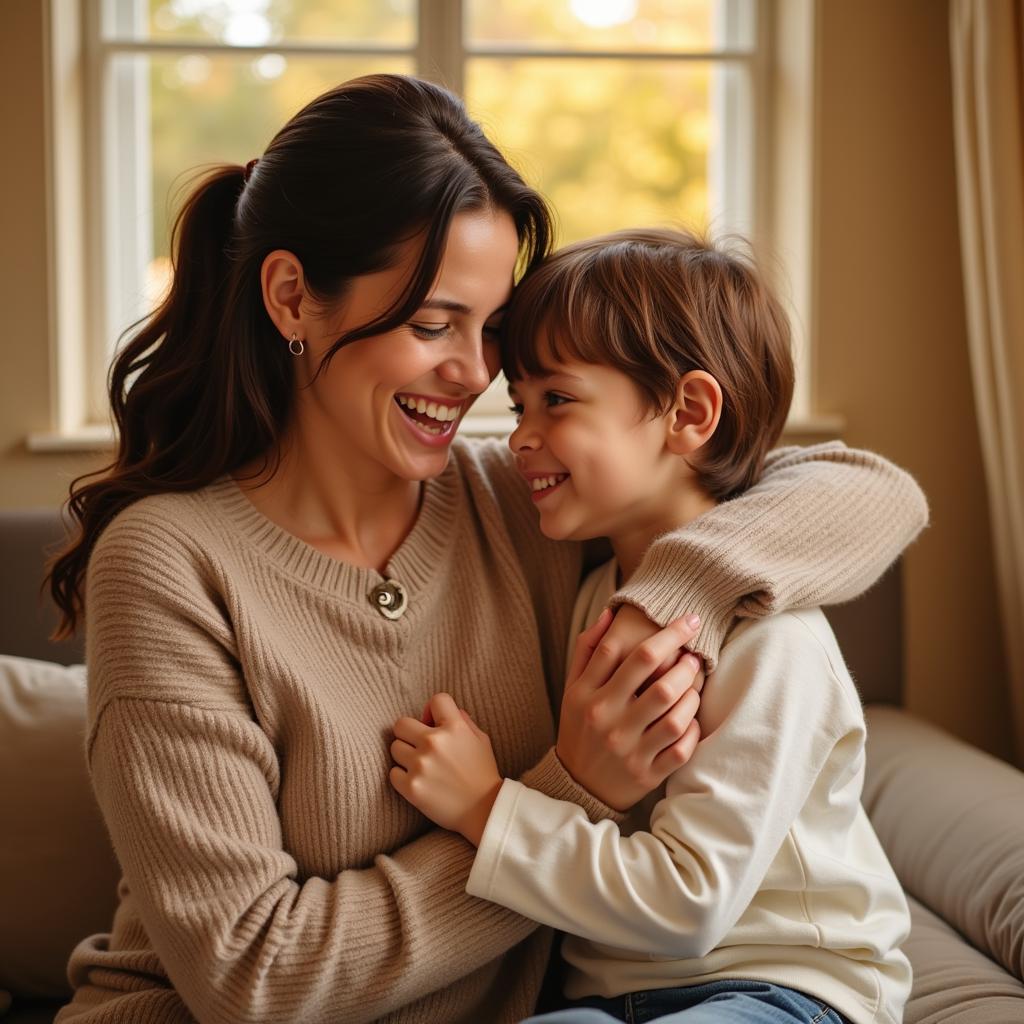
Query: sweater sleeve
point(188, 795)
point(820, 527)
point(772, 716)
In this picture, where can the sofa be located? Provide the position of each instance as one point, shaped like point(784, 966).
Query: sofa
point(950, 817)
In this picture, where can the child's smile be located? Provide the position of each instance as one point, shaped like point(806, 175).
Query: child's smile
point(544, 484)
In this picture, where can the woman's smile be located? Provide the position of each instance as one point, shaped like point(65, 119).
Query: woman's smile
point(432, 421)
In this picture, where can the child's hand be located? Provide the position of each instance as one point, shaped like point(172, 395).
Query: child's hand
point(626, 723)
point(446, 770)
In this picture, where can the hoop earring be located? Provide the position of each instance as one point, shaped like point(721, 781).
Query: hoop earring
point(295, 346)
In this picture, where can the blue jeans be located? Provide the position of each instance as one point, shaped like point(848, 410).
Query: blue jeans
point(719, 1002)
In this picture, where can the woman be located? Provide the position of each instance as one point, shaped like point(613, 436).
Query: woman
point(289, 553)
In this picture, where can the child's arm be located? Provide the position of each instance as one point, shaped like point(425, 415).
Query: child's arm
point(772, 715)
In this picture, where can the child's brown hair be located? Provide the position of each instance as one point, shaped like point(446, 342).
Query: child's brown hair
point(656, 304)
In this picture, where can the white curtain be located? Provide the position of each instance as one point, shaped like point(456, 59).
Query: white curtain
point(987, 38)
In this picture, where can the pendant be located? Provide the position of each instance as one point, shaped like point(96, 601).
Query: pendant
point(389, 599)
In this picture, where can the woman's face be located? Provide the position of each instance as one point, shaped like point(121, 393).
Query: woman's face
point(393, 402)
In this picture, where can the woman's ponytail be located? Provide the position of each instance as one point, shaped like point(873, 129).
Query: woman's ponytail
point(176, 413)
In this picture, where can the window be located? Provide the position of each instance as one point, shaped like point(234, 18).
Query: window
point(622, 112)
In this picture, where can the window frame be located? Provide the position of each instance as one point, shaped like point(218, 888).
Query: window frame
point(81, 216)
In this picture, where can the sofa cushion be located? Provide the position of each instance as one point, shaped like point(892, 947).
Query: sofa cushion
point(950, 819)
point(953, 982)
point(58, 874)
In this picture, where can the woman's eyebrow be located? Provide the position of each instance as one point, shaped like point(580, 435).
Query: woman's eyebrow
point(449, 304)
point(457, 307)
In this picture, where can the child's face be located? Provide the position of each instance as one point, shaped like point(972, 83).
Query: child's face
point(594, 456)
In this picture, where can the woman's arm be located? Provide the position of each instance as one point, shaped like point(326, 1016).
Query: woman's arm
point(820, 527)
point(188, 795)
point(822, 524)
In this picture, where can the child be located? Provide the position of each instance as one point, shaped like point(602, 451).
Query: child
point(651, 374)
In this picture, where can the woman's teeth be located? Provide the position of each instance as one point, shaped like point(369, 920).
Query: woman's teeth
point(441, 413)
point(541, 483)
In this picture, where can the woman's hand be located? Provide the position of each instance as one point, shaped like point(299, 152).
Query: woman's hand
point(445, 767)
point(627, 720)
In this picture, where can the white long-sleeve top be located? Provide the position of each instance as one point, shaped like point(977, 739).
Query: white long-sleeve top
point(755, 860)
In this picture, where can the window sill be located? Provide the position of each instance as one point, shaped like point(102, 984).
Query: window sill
point(99, 438)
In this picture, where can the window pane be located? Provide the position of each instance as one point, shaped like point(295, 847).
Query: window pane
point(611, 144)
point(615, 143)
point(173, 114)
point(644, 25)
point(264, 22)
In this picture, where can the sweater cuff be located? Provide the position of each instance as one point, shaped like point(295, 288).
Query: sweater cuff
point(551, 777)
point(663, 594)
point(492, 842)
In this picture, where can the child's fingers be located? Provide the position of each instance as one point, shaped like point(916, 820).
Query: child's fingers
point(426, 717)
point(444, 709)
point(399, 779)
point(410, 730)
point(586, 644)
point(477, 731)
point(403, 754)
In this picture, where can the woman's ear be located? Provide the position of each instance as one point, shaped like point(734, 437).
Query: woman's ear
point(284, 289)
point(695, 413)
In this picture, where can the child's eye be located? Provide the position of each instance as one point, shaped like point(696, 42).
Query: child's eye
point(428, 332)
point(554, 399)
point(516, 410)
point(492, 330)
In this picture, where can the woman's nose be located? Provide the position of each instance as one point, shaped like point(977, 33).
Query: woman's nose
point(470, 366)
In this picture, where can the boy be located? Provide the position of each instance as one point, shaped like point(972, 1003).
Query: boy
point(651, 374)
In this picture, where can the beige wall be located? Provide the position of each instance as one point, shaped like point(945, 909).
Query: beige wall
point(24, 368)
point(889, 318)
point(891, 327)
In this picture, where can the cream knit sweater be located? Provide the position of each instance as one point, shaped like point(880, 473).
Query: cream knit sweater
point(241, 696)
point(755, 860)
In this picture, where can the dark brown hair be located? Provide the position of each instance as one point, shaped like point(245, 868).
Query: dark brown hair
point(656, 304)
point(206, 384)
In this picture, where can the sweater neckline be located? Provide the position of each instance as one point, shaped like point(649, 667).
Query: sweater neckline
point(414, 563)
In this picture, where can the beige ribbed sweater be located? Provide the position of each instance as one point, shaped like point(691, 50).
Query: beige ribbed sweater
point(241, 696)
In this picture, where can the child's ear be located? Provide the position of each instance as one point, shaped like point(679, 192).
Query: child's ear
point(695, 413)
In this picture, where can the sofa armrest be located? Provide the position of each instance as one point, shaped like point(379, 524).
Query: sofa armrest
point(27, 616)
point(951, 819)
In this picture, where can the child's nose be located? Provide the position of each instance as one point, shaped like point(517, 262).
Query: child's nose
point(523, 438)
